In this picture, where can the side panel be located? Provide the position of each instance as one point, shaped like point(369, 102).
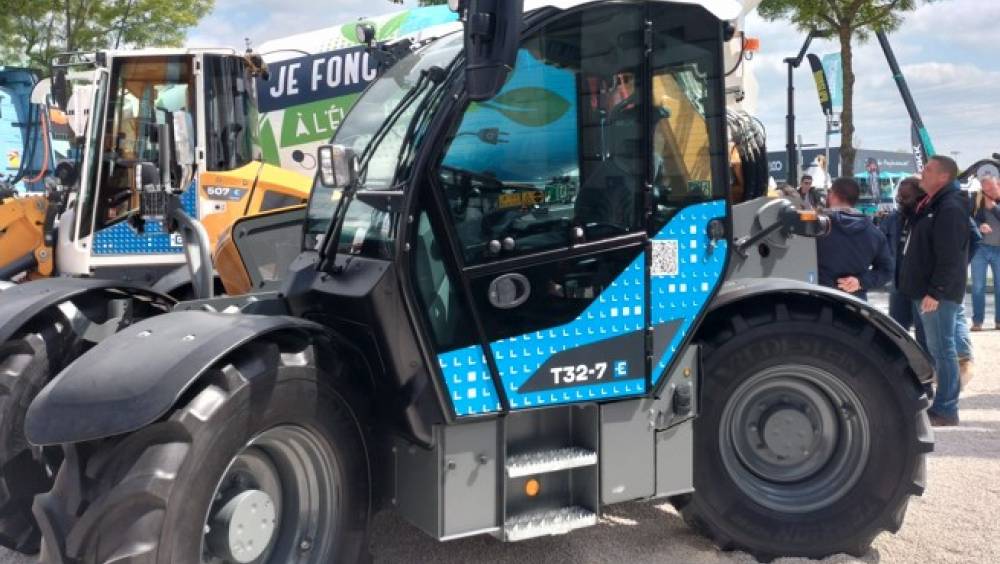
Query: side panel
point(450, 491)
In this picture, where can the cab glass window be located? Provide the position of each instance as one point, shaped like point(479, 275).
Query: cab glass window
point(230, 113)
point(686, 110)
point(146, 92)
point(560, 149)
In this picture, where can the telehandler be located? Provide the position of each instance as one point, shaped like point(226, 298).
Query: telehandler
point(502, 330)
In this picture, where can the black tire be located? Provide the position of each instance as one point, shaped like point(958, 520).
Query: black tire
point(732, 505)
point(27, 363)
point(144, 497)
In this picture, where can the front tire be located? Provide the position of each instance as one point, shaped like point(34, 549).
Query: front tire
point(27, 363)
point(811, 439)
point(265, 444)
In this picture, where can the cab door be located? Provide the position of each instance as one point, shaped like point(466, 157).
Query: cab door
point(689, 216)
point(577, 215)
point(545, 194)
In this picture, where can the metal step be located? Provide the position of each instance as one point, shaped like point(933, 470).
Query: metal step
point(545, 461)
point(548, 522)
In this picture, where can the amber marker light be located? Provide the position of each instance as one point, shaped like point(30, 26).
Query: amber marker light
point(532, 487)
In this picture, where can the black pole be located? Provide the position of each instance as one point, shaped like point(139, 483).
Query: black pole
point(793, 157)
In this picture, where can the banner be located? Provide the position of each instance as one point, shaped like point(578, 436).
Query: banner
point(834, 71)
point(822, 86)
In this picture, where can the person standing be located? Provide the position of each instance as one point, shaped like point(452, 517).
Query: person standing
point(934, 275)
point(806, 197)
point(896, 227)
point(855, 257)
point(987, 255)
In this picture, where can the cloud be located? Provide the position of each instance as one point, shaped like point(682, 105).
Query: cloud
point(233, 21)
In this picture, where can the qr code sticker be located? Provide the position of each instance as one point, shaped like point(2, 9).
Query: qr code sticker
point(665, 258)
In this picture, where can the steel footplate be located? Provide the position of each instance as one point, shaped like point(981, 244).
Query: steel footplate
point(548, 522)
point(545, 461)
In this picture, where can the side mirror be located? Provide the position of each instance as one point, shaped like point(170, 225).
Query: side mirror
point(183, 138)
point(338, 166)
point(492, 34)
point(42, 92)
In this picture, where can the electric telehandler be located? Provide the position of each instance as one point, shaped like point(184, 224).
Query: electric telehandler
point(501, 330)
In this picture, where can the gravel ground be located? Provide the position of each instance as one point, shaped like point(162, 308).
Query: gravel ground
point(955, 520)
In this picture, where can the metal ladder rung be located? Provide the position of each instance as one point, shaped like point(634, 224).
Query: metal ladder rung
point(553, 460)
point(548, 522)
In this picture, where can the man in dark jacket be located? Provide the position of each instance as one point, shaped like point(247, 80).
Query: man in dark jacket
point(855, 256)
point(896, 227)
point(934, 274)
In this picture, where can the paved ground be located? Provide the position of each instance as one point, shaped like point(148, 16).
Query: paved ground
point(955, 521)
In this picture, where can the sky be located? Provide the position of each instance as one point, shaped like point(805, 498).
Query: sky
point(949, 51)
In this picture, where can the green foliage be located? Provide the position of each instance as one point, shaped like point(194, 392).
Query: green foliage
point(834, 16)
point(33, 31)
point(846, 21)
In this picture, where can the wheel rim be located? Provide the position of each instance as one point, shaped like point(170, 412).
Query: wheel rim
point(794, 438)
point(276, 501)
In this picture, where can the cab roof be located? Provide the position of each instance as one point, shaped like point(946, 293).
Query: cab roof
point(722, 9)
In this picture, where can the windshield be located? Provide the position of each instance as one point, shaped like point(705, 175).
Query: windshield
point(374, 107)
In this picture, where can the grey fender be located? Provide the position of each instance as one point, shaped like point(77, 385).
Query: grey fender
point(21, 303)
point(133, 378)
point(756, 288)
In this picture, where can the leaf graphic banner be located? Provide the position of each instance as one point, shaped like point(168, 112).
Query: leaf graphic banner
point(529, 106)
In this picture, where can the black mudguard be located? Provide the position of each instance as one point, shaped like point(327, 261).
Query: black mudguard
point(21, 303)
point(133, 378)
point(755, 288)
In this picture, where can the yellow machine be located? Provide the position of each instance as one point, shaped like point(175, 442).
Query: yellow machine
point(23, 246)
point(149, 127)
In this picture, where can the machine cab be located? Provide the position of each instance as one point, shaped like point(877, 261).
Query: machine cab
point(558, 242)
point(128, 109)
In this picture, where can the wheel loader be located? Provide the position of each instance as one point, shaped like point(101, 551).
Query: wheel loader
point(119, 104)
point(163, 162)
point(521, 296)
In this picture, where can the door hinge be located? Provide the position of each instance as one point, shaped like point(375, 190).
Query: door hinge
point(647, 39)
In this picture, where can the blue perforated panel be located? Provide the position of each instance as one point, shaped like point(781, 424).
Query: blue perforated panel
point(684, 276)
point(467, 377)
point(122, 238)
point(682, 293)
point(616, 312)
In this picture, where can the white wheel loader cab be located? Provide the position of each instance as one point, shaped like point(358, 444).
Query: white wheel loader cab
point(188, 117)
point(511, 311)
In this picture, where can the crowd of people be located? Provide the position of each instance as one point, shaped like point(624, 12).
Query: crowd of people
point(923, 250)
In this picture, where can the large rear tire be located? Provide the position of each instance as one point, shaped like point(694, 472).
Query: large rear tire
point(266, 439)
point(27, 363)
point(811, 438)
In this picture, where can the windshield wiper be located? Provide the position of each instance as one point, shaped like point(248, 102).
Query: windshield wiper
point(437, 76)
point(331, 246)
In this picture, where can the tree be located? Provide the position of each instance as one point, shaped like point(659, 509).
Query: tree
point(33, 31)
point(845, 20)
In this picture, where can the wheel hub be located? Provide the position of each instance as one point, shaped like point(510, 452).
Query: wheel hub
point(788, 438)
point(788, 434)
point(243, 528)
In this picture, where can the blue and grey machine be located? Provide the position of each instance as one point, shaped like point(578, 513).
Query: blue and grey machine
point(519, 301)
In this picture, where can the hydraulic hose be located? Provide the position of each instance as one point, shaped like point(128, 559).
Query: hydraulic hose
point(44, 122)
